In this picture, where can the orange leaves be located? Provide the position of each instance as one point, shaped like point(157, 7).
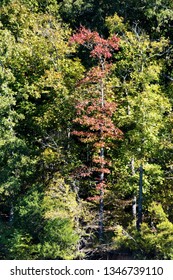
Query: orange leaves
point(114, 42)
point(100, 185)
point(100, 144)
point(94, 198)
point(101, 50)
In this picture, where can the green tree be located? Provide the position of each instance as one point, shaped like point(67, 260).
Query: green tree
point(44, 224)
point(141, 114)
point(49, 126)
point(37, 80)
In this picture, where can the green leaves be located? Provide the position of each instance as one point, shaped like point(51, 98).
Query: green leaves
point(140, 94)
point(49, 101)
point(153, 242)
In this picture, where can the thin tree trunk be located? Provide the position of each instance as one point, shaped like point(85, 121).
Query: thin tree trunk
point(134, 208)
point(11, 216)
point(101, 216)
point(134, 198)
point(101, 206)
point(139, 221)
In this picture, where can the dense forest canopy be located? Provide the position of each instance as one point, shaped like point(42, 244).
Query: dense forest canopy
point(86, 149)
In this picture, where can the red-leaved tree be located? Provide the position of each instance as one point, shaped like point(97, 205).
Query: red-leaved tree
point(94, 113)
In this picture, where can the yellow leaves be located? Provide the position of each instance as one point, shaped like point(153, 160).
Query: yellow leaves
point(135, 44)
point(40, 39)
point(153, 98)
point(116, 24)
point(157, 213)
point(49, 155)
point(153, 71)
point(120, 236)
point(141, 45)
point(159, 45)
point(51, 80)
point(59, 200)
point(145, 74)
point(49, 77)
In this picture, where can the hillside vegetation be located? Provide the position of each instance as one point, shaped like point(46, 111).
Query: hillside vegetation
point(86, 129)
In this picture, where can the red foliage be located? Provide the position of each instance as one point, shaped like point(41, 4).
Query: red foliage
point(96, 74)
point(94, 198)
point(83, 35)
point(97, 119)
point(94, 115)
point(98, 46)
point(93, 105)
point(82, 171)
point(101, 170)
point(100, 186)
point(99, 160)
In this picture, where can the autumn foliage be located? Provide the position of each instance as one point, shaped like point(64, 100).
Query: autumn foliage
point(99, 47)
point(94, 114)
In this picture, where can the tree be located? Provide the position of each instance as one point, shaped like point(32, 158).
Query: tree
point(37, 78)
point(44, 224)
point(63, 107)
point(94, 114)
point(141, 114)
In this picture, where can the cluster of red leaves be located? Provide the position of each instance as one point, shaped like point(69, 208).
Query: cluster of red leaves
point(101, 170)
point(99, 47)
point(100, 160)
point(85, 136)
point(100, 128)
point(96, 127)
point(96, 74)
point(92, 105)
point(101, 186)
point(83, 35)
point(82, 171)
point(104, 48)
point(97, 120)
point(94, 198)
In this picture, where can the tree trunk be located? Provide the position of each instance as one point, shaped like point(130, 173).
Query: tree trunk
point(11, 216)
point(134, 198)
point(101, 206)
point(139, 221)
